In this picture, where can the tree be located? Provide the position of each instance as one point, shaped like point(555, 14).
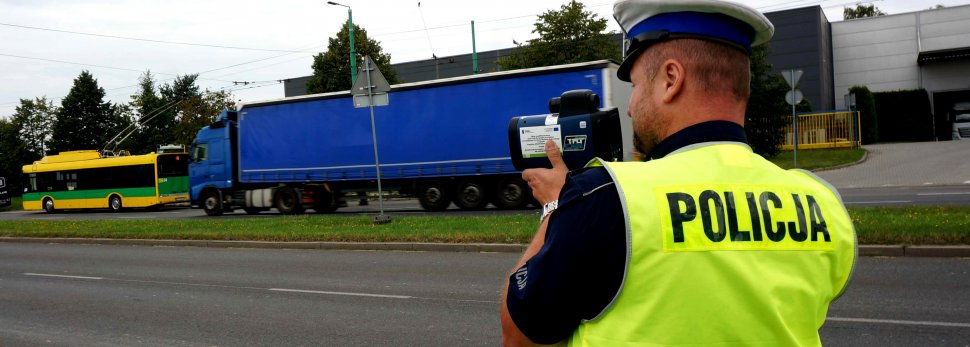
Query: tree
point(569, 35)
point(172, 113)
point(144, 105)
point(85, 120)
point(13, 155)
point(331, 69)
point(765, 117)
point(197, 112)
point(862, 11)
point(34, 120)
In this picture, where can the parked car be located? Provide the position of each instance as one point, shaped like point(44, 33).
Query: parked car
point(961, 121)
point(4, 194)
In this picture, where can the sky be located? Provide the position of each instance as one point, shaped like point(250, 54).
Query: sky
point(47, 43)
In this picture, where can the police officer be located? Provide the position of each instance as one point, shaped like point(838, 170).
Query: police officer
point(703, 243)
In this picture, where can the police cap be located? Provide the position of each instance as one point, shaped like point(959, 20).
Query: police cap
point(646, 22)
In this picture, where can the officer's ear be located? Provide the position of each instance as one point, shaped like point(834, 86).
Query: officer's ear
point(672, 77)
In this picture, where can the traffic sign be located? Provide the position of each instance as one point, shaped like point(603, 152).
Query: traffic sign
point(792, 77)
point(375, 84)
point(793, 97)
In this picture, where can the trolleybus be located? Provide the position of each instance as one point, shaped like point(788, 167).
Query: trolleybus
point(86, 179)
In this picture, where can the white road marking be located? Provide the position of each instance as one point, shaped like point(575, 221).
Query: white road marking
point(145, 217)
point(899, 322)
point(63, 276)
point(950, 193)
point(878, 202)
point(339, 293)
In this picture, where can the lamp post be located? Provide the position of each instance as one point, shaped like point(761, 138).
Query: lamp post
point(353, 52)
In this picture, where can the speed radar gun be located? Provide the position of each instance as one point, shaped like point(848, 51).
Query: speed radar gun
point(581, 129)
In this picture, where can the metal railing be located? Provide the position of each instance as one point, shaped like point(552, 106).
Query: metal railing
point(825, 130)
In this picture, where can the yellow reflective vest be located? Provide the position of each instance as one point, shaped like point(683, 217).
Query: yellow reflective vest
point(724, 249)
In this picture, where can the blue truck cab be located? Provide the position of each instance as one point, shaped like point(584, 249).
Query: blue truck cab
point(211, 169)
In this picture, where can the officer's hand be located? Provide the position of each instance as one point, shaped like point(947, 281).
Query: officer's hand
point(547, 183)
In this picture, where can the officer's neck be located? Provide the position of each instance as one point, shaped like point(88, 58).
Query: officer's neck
point(694, 106)
point(696, 118)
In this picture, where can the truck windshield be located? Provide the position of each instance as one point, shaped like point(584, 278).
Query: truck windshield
point(962, 118)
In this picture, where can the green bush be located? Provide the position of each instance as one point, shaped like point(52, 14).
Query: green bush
point(904, 116)
point(866, 105)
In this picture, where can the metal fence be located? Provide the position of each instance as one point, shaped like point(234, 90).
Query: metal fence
point(825, 130)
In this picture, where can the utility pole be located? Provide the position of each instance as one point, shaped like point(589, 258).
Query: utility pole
point(353, 51)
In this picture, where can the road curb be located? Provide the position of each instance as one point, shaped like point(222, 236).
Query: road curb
point(865, 156)
point(962, 251)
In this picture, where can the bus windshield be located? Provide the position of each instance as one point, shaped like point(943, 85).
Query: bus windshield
point(173, 165)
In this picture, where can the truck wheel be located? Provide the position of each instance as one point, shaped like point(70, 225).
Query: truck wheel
point(212, 203)
point(49, 205)
point(434, 195)
point(324, 202)
point(114, 203)
point(289, 201)
point(512, 193)
point(470, 194)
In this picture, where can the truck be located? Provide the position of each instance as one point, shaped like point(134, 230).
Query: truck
point(443, 141)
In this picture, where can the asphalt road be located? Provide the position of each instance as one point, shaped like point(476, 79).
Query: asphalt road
point(907, 196)
point(130, 295)
point(124, 296)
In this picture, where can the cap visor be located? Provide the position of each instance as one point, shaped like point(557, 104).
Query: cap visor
point(623, 73)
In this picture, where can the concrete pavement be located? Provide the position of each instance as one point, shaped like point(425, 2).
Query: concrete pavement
point(906, 164)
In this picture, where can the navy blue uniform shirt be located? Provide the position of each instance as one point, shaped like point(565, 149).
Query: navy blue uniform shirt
point(579, 270)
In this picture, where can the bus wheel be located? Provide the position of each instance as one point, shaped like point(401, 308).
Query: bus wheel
point(212, 203)
point(289, 201)
point(434, 195)
point(512, 193)
point(114, 203)
point(470, 195)
point(49, 205)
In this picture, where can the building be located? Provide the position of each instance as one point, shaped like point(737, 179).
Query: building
point(802, 41)
point(927, 49)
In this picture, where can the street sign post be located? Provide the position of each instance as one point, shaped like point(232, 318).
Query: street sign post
point(793, 98)
point(369, 92)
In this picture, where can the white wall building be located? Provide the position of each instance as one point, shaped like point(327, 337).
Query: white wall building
point(928, 49)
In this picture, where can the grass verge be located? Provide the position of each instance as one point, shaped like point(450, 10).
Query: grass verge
point(464, 229)
point(915, 225)
point(818, 158)
point(930, 225)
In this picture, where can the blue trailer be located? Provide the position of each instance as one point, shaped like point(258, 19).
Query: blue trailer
point(442, 141)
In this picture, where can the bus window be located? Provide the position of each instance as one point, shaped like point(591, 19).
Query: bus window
point(173, 165)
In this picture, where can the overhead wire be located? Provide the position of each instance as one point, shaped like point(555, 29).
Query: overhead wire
point(148, 40)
